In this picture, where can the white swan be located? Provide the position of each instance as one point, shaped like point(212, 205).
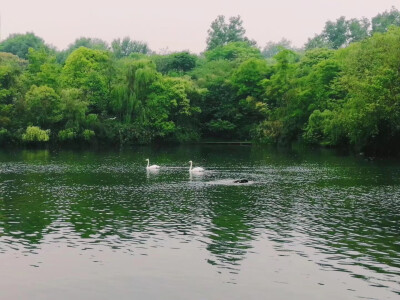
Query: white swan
point(152, 167)
point(195, 170)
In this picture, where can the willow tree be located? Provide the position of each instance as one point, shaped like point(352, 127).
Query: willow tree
point(131, 94)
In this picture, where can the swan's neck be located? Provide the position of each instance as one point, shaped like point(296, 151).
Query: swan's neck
point(148, 163)
point(190, 169)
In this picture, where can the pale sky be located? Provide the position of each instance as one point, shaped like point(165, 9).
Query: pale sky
point(177, 24)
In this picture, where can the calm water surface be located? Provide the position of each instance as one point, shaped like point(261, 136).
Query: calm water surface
point(96, 225)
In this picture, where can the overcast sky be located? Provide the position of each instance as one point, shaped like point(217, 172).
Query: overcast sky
point(177, 24)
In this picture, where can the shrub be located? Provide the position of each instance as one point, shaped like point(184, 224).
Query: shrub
point(35, 134)
point(88, 134)
point(67, 135)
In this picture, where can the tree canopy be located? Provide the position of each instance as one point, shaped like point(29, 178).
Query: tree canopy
point(125, 47)
point(222, 33)
point(19, 44)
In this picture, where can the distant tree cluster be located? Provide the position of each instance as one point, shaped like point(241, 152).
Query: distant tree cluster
point(343, 89)
point(222, 33)
point(273, 48)
point(342, 32)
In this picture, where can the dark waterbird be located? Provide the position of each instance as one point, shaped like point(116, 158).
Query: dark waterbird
point(241, 181)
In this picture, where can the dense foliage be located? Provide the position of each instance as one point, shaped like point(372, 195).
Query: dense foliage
point(343, 89)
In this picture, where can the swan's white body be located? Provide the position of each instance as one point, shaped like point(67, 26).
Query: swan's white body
point(195, 170)
point(152, 167)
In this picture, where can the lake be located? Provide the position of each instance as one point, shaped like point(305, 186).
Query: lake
point(309, 224)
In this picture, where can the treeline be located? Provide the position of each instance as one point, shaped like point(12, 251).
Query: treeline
point(342, 89)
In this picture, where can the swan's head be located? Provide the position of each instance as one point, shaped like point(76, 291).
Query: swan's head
point(146, 159)
point(190, 162)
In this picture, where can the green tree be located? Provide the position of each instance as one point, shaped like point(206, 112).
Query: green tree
point(367, 116)
point(239, 51)
point(179, 62)
point(382, 21)
point(249, 77)
point(89, 70)
point(19, 44)
point(249, 80)
point(316, 91)
point(125, 47)
point(279, 93)
point(336, 32)
point(271, 48)
point(170, 108)
point(11, 68)
point(73, 108)
point(218, 105)
point(42, 69)
point(318, 41)
point(130, 96)
point(222, 33)
point(43, 106)
point(278, 86)
point(371, 112)
point(340, 33)
point(182, 61)
point(90, 43)
point(358, 30)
